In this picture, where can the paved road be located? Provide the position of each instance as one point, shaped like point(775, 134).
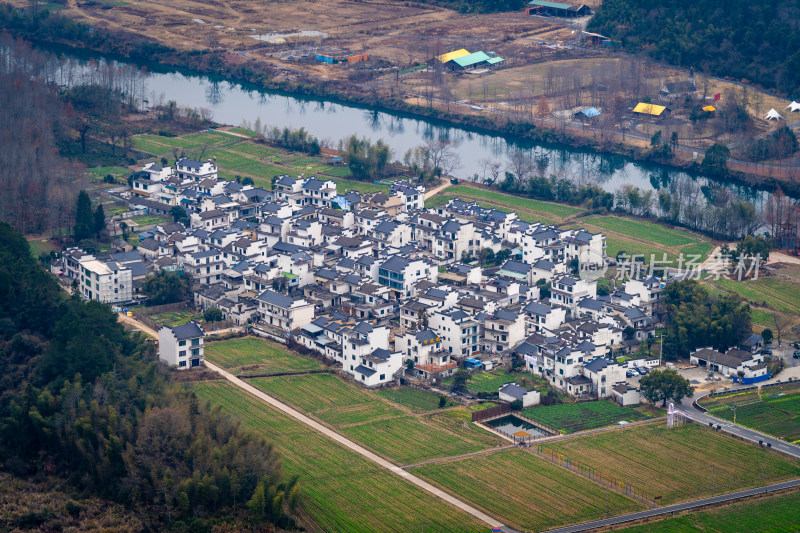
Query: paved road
point(742, 432)
point(297, 415)
point(588, 526)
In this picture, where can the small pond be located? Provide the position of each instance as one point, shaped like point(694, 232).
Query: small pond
point(514, 426)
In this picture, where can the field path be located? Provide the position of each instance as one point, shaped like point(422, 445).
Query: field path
point(347, 443)
point(436, 190)
point(300, 417)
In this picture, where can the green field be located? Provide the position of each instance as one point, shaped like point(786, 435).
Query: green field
point(240, 157)
point(644, 230)
point(557, 210)
point(328, 398)
point(679, 464)
point(781, 295)
point(387, 430)
point(615, 244)
point(572, 417)
point(110, 209)
point(702, 249)
point(260, 355)
point(243, 131)
point(40, 247)
point(175, 318)
point(776, 411)
point(525, 491)
point(526, 215)
point(98, 173)
point(415, 399)
point(490, 381)
point(146, 220)
point(409, 439)
point(341, 490)
point(773, 514)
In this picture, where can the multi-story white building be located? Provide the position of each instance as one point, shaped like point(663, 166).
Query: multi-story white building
point(195, 170)
point(181, 346)
point(459, 331)
point(318, 193)
point(205, 266)
point(377, 367)
point(502, 331)
point(648, 290)
point(455, 239)
point(108, 282)
point(400, 274)
point(568, 291)
point(424, 348)
point(539, 317)
point(411, 196)
point(283, 311)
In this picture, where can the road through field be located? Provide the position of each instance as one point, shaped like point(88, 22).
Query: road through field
point(297, 415)
point(672, 509)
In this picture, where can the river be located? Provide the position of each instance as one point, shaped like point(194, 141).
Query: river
point(231, 103)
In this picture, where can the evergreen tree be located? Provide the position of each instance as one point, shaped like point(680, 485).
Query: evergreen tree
point(84, 219)
point(99, 219)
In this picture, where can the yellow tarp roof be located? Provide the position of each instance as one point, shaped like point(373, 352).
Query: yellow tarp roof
point(709, 108)
point(449, 56)
point(649, 109)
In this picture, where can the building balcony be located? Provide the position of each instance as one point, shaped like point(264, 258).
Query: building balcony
point(434, 368)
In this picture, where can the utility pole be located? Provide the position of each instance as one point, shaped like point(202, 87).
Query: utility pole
point(661, 349)
point(713, 481)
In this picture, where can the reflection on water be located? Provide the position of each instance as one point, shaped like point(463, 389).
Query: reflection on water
point(513, 425)
point(232, 103)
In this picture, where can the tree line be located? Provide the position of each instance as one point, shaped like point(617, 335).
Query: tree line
point(83, 398)
point(697, 319)
point(738, 39)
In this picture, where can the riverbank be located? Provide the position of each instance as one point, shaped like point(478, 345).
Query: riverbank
point(232, 66)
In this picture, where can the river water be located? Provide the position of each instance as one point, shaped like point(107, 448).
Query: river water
point(231, 103)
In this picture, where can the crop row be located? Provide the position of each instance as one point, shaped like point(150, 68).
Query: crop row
point(341, 490)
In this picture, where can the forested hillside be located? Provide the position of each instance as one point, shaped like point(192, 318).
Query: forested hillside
point(740, 39)
point(82, 399)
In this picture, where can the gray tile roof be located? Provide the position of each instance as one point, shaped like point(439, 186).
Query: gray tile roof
point(187, 331)
point(274, 298)
point(361, 369)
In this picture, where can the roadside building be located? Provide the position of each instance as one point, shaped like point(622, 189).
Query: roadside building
point(181, 346)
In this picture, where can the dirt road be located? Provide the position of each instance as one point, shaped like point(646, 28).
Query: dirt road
point(300, 417)
point(436, 190)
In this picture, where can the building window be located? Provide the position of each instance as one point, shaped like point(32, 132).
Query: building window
point(182, 353)
point(181, 343)
point(182, 363)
